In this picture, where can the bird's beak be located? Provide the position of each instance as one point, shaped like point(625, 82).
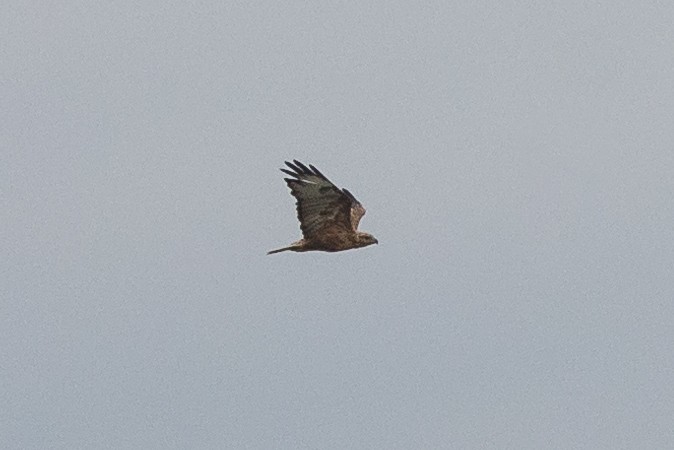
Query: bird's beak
point(376, 241)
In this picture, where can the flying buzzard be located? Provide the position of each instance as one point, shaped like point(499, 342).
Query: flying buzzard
point(328, 215)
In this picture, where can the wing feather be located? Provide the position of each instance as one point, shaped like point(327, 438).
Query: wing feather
point(321, 206)
point(357, 210)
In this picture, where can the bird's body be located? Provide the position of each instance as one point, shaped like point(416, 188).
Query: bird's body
point(328, 216)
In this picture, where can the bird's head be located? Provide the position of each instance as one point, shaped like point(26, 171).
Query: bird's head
point(366, 239)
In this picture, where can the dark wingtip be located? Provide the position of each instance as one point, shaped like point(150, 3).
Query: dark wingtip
point(299, 169)
point(350, 195)
point(294, 167)
point(318, 172)
point(304, 168)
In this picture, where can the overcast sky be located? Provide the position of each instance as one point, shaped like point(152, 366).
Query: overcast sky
point(517, 163)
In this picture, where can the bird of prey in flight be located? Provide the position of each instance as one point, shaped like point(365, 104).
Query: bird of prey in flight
point(328, 215)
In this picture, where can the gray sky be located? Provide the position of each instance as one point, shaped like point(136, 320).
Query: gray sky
point(516, 161)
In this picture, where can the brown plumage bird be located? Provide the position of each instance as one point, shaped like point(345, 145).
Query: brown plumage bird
point(328, 215)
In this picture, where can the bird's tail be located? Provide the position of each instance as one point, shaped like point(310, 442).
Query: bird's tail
point(279, 250)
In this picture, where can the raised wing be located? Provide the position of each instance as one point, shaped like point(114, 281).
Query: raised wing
point(321, 206)
point(357, 210)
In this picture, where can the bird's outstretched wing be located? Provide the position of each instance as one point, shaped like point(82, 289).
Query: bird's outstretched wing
point(322, 207)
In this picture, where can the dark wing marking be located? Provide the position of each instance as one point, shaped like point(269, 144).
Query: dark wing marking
point(321, 206)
